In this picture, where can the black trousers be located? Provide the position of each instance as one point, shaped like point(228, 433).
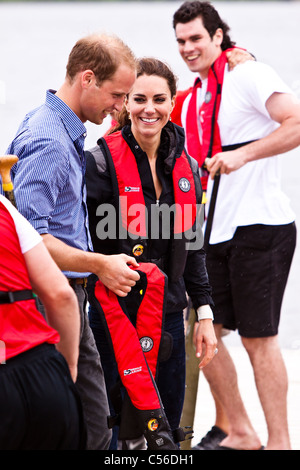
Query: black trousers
point(39, 405)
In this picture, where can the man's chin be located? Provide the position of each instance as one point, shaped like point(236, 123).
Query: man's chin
point(100, 120)
point(193, 67)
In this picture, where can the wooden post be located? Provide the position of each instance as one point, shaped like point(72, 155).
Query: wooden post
point(6, 163)
point(192, 377)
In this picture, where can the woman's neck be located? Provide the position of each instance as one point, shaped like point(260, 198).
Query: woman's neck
point(148, 145)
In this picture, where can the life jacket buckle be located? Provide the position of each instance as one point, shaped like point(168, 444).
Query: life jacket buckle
point(181, 435)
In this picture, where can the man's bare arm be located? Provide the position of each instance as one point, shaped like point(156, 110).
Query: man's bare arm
point(284, 109)
point(59, 300)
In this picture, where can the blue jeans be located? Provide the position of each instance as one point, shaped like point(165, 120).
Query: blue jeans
point(171, 372)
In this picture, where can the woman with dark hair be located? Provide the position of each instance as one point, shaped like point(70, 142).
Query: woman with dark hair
point(144, 158)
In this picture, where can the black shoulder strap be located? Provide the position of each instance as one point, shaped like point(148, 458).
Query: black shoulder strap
point(15, 296)
point(214, 194)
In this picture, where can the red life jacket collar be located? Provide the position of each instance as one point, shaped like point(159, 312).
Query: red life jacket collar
point(131, 193)
point(211, 142)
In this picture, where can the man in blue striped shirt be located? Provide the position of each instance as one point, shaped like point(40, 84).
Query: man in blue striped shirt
point(50, 192)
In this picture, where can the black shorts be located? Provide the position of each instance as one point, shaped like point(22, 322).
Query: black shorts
point(248, 275)
point(40, 408)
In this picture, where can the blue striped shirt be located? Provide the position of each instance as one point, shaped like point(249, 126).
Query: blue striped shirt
point(49, 178)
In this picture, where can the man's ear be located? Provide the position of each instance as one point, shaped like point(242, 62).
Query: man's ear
point(218, 37)
point(87, 78)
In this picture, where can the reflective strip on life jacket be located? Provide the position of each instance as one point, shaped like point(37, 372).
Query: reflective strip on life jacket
point(136, 347)
point(131, 192)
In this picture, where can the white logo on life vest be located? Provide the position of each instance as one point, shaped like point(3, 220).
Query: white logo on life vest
point(132, 189)
point(208, 97)
point(184, 185)
point(146, 343)
point(132, 371)
point(160, 442)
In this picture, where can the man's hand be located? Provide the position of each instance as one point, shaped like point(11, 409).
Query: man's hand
point(205, 341)
point(113, 270)
point(284, 109)
point(225, 162)
point(117, 275)
point(237, 56)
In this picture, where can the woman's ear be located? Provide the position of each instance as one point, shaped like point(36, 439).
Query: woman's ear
point(173, 101)
point(127, 106)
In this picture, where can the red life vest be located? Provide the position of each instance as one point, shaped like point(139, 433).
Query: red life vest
point(130, 188)
point(136, 347)
point(21, 325)
point(179, 100)
point(211, 142)
point(132, 203)
point(136, 338)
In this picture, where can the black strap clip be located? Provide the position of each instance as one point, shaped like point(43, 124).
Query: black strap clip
point(183, 434)
point(15, 296)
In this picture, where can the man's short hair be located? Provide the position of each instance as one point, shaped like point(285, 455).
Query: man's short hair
point(189, 11)
point(102, 54)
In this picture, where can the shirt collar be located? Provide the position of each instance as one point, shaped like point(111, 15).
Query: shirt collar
point(73, 124)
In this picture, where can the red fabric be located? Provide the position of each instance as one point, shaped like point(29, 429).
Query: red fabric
point(21, 325)
point(192, 131)
point(179, 100)
point(132, 362)
point(112, 125)
point(185, 215)
point(132, 203)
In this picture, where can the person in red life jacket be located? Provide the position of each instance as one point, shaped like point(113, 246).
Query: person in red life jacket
point(140, 170)
point(239, 120)
point(40, 407)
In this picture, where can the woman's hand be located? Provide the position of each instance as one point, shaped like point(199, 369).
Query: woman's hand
point(205, 341)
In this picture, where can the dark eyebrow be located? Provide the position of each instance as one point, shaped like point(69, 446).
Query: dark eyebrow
point(191, 38)
point(155, 96)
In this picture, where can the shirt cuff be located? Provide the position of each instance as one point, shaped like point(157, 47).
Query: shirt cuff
point(204, 312)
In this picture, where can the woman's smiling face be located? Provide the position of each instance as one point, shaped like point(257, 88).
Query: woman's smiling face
point(149, 104)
